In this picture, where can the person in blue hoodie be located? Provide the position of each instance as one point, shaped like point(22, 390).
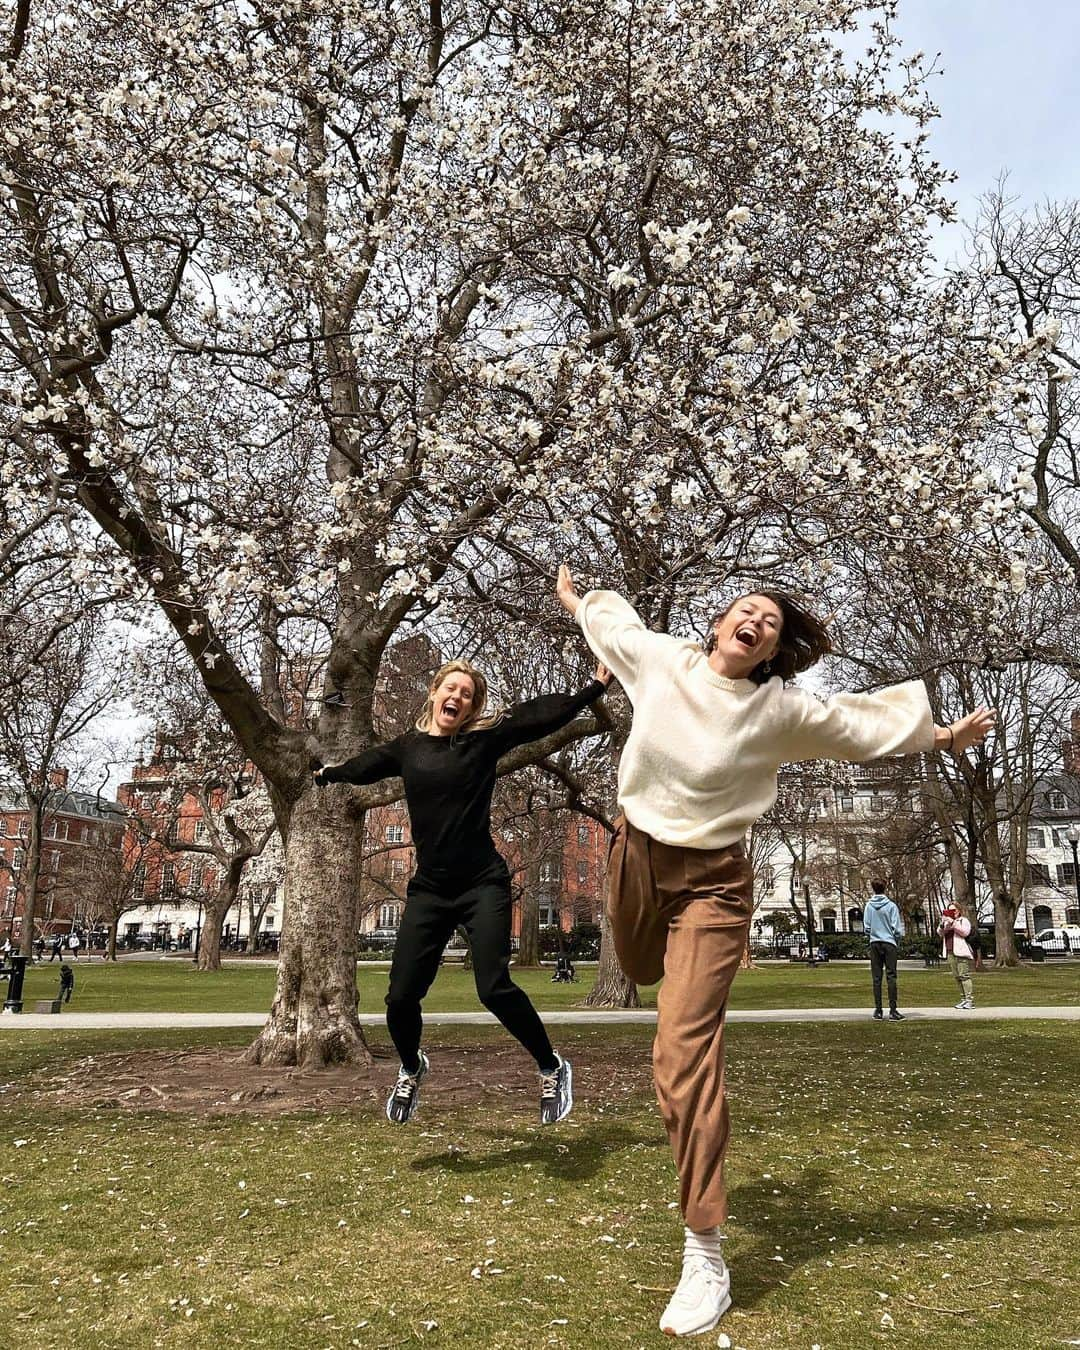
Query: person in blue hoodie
point(884, 927)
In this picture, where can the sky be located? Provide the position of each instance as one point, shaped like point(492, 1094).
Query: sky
point(1008, 96)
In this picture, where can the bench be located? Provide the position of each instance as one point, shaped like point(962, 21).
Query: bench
point(47, 1005)
point(457, 957)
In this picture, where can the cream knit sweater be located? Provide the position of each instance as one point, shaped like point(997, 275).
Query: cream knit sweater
point(699, 766)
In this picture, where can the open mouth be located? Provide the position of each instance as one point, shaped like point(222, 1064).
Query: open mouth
point(746, 637)
point(450, 708)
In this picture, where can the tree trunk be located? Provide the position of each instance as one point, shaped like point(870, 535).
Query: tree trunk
point(32, 873)
point(313, 1019)
point(216, 910)
point(612, 988)
point(110, 945)
point(746, 961)
point(529, 931)
point(1005, 910)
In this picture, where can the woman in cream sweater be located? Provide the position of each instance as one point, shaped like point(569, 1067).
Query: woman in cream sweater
point(710, 730)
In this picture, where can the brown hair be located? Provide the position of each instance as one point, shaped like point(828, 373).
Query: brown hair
point(804, 639)
point(477, 720)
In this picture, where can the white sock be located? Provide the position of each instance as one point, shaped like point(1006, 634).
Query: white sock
point(704, 1244)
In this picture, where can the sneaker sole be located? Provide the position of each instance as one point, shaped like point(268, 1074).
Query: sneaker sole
point(700, 1331)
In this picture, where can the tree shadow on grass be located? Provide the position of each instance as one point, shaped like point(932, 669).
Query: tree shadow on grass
point(804, 1224)
point(572, 1158)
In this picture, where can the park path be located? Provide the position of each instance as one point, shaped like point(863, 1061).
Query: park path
point(99, 1021)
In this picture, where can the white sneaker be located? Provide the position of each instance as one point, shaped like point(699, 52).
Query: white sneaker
point(702, 1298)
point(968, 1004)
point(962, 1004)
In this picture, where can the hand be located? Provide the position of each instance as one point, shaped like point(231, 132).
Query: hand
point(566, 591)
point(316, 765)
point(604, 675)
point(972, 729)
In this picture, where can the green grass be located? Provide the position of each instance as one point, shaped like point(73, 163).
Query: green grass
point(159, 986)
point(924, 1173)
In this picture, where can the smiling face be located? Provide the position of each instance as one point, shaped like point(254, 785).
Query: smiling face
point(452, 703)
point(745, 635)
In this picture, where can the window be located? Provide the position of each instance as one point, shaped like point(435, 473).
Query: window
point(395, 834)
point(1067, 874)
point(1072, 915)
point(201, 832)
point(582, 873)
point(855, 923)
point(547, 916)
point(583, 834)
point(168, 878)
point(767, 877)
point(1038, 874)
point(54, 861)
point(549, 869)
point(397, 868)
point(1036, 839)
point(389, 916)
point(828, 920)
point(138, 881)
point(1056, 801)
point(17, 860)
point(3, 826)
point(1041, 917)
point(851, 845)
point(847, 803)
point(877, 802)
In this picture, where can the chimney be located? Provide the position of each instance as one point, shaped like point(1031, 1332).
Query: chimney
point(58, 778)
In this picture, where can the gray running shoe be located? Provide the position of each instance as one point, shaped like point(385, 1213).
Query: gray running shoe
point(556, 1093)
point(405, 1096)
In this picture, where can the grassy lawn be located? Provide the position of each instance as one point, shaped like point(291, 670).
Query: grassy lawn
point(151, 986)
point(909, 1185)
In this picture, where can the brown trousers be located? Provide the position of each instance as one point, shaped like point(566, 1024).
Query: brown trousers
point(684, 913)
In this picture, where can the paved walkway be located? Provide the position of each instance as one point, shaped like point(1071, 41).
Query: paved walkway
point(79, 1021)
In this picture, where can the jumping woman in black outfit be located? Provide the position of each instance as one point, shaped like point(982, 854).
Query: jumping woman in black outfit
point(448, 764)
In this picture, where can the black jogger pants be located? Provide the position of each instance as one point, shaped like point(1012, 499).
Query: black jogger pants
point(883, 957)
point(433, 909)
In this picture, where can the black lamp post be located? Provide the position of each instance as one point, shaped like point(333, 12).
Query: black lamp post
point(198, 931)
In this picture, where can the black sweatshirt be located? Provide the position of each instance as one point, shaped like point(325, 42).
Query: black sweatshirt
point(449, 780)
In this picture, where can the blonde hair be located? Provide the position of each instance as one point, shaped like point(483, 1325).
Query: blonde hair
point(478, 719)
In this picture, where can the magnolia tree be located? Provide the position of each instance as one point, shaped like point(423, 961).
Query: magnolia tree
point(326, 318)
point(1029, 265)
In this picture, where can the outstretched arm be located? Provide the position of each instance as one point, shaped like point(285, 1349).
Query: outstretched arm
point(611, 626)
point(539, 717)
point(381, 761)
point(859, 727)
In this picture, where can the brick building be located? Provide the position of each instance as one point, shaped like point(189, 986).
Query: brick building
point(77, 828)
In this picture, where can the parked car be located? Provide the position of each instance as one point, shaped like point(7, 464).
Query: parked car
point(1060, 939)
point(379, 939)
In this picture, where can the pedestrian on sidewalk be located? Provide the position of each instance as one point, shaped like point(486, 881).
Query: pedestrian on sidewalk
point(955, 947)
point(448, 763)
point(884, 928)
point(56, 949)
point(74, 943)
point(710, 730)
